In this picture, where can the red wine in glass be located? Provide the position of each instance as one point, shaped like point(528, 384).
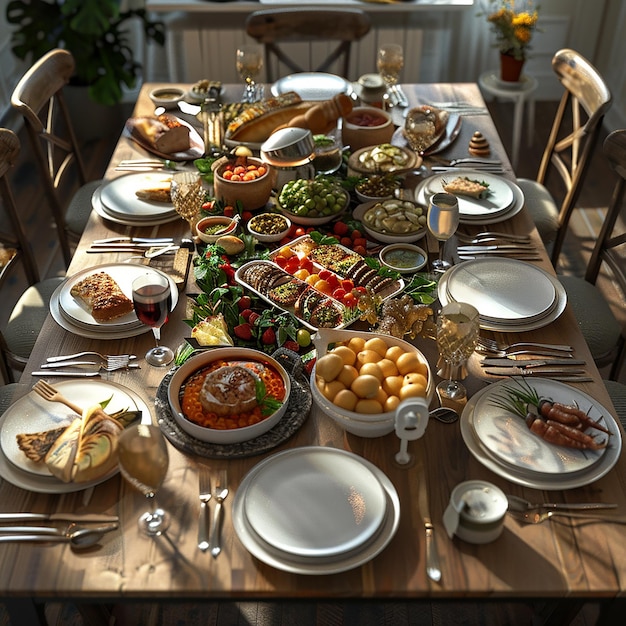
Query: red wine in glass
point(152, 297)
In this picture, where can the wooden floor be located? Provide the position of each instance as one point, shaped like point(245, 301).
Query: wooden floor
point(585, 224)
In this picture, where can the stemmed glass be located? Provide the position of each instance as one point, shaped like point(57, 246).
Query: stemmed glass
point(152, 297)
point(442, 220)
point(249, 62)
point(458, 326)
point(389, 62)
point(188, 196)
point(144, 460)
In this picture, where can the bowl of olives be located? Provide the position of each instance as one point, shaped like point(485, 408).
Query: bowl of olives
point(269, 227)
point(377, 187)
point(311, 202)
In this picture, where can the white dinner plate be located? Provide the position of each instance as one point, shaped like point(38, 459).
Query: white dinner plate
point(119, 195)
point(312, 85)
point(312, 565)
point(31, 413)
point(506, 290)
point(528, 477)
point(315, 504)
point(66, 317)
point(499, 200)
point(485, 300)
point(507, 437)
point(99, 208)
point(518, 202)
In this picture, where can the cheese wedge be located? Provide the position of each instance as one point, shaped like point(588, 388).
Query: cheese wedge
point(61, 456)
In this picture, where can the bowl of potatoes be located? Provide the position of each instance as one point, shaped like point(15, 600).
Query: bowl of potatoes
point(359, 379)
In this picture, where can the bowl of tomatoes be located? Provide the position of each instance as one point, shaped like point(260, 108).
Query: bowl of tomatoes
point(243, 179)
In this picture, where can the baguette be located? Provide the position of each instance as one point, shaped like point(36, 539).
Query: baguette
point(102, 296)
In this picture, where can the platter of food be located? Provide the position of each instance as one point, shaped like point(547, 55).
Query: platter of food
point(314, 299)
point(504, 443)
point(166, 136)
point(43, 448)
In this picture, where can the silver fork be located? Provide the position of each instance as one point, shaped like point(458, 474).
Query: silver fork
point(111, 364)
point(77, 355)
point(221, 492)
point(479, 238)
point(205, 496)
point(493, 346)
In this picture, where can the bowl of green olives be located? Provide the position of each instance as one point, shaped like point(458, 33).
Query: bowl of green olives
point(269, 227)
point(377, 187)
point(311, 202)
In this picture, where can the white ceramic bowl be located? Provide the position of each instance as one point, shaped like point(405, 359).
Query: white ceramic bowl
point(364, 425)
point(359, 213)
point(236, 435)
point(403, 257)
point(255, 223)
point(167, 97)
point(364, 197)
point(228, 223)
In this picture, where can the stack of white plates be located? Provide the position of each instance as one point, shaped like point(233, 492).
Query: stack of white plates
point(117, 201)
point(501, 441)
point(72, 315)
point(509, 294)
point(315, 510)
point(504, 200)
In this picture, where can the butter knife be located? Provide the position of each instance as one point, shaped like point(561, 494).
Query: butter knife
point(521, 371)
point(66, 373)
point(433, 569)
point(133, 240)
point(525, 364)
point(58, 517)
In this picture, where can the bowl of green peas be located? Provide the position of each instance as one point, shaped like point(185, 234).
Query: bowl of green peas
point(311, 202)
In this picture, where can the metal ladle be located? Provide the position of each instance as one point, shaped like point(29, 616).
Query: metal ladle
point(78, 537)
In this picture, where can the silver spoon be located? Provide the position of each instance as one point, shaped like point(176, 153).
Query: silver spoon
point(444, 414)
point(77, 537)
point(519, 504)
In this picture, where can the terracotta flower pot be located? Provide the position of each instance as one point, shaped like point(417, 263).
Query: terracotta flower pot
point(510, 68)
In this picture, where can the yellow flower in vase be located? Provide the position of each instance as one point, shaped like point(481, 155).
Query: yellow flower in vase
point(512, 26)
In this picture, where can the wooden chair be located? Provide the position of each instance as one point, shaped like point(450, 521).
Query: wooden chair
point(570, 146)
point(28, 315)
point(38, 97)
point(330, 30)
point(601, 329)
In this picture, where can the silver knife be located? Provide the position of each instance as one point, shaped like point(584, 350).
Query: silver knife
point(504, 362)
point(58, 517)
point(497, 248)
point(66, 373)
point(153, 240)
point(521, 371)
point(433, 569)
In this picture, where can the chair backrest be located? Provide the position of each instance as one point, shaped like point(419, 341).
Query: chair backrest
point(333, 29)
point(38, 96)
point(575, 131)
point(13, 236)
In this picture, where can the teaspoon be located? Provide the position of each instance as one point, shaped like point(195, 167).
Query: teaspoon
point(519, 504)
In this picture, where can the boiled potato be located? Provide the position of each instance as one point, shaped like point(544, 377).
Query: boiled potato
point(329, 366)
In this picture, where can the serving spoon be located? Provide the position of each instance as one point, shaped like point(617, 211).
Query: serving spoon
point(78, 537)
point(522, 506)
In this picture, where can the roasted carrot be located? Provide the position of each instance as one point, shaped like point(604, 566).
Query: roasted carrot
point(574, 433)
point(550, 434)
point(570, 415)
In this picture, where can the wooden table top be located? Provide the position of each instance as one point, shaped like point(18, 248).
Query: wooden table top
point(550, 560)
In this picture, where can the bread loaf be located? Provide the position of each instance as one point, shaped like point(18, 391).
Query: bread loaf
point(165, 133)
point(322, 117)
point(102, 296)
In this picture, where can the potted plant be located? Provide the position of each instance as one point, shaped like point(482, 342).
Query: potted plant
point(92, 30)
point(513, 24)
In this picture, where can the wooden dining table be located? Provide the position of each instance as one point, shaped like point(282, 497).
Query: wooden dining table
point(555, 560)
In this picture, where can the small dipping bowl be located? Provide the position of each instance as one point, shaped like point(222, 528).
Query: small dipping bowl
point(207, 227)
point(269, 227)
point(166, 97)
point(481, 507)
point(403, 257)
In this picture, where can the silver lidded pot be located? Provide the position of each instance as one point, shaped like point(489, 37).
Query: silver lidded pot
point(290, 151)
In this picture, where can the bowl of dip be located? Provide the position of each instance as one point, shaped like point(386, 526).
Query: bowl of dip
point(366, 126)
point(167, 97)
point(210, 229)
point(405, 258)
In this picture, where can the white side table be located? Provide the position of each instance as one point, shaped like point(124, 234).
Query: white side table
point(520, 93)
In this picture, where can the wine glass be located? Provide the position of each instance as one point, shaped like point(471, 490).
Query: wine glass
point(249, 62)
point(188, 196)
point(442, 220)
point(458, 326)
point(143, 459)
point(389, 63)
point(152, 297)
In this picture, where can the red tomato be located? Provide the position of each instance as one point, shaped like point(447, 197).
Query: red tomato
point(324, 274)
point(347, 285)
point(306, 264)
point(300, 231)
point(339, 294)
point(350, 300)
point(340, 228)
